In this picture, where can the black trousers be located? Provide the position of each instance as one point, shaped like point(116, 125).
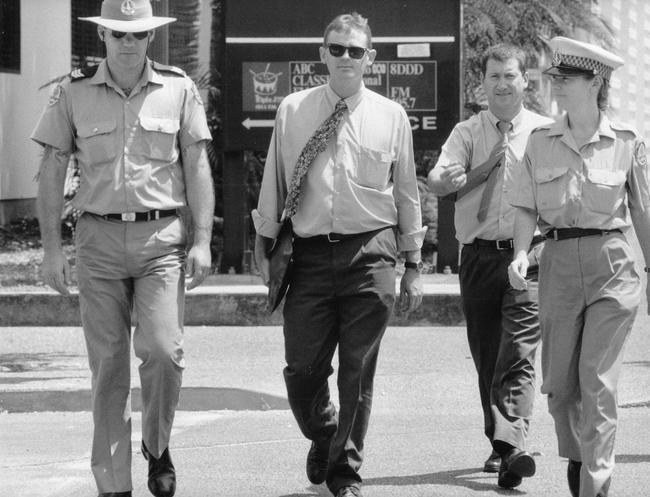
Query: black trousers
point(503, 334)
point(341, 293)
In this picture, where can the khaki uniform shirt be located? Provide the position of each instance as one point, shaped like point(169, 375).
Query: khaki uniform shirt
point(470, 144)
point(127, 148)
point(364, 180)
point(587, 187)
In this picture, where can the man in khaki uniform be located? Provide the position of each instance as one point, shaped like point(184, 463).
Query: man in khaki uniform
point(138, 132)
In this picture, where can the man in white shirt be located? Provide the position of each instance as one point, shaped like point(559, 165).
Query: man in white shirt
point(477, 165)
point(359, 207)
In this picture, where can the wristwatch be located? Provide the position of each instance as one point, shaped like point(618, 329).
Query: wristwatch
point(414, 265)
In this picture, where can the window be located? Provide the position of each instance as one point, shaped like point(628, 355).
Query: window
point(87, 48)
point(10, 36)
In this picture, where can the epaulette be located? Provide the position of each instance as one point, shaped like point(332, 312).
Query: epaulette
point(86, 72)
point(624, 127)
point(169, 69)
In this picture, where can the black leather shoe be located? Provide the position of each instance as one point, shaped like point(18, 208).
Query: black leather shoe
point(317, 458)
point(115, 494)
point(492, 463)
point(348, 492)
point(162, 475)
point(516, 465)
point(573, 476)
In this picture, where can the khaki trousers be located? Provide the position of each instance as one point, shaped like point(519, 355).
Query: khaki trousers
point(589, 292)
point(125, 269)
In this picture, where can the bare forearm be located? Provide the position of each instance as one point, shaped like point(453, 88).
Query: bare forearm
point(525, 223)
point(200, 191)
point(49, 202)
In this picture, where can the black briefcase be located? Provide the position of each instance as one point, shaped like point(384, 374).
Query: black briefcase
point(280, 260)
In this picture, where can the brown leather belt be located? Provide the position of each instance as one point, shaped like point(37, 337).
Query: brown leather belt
point(507, 244)
point(140, 216)
point(566, 233)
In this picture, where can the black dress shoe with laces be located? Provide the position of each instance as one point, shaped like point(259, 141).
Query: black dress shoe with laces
point(317, 458)
point(573, 476)
point(515, 465)
point(348, 491)
point(492, 463)
point(162, 475)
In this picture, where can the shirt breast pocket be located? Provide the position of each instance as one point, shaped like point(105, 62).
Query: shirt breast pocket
point(604, 190)
point(551, 187)
point(159, 137)
point(373, 168)
point(96, 140)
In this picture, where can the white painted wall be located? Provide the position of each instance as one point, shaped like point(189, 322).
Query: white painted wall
point(45, 54)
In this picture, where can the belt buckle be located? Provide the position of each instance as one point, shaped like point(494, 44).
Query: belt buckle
point(128, 216)
point(555, 235)
point(332, 240)
point(506, 246)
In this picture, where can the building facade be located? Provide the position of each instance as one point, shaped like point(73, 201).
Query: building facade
point(630, 91)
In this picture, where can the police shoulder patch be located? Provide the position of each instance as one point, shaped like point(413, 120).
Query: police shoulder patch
point(55, 96)
point(640, 155)
point(196, 94)
point(168, 69)
point(86, 72)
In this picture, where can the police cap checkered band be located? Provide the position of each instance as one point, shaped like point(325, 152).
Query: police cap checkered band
point(577, 57)
point(588, 65)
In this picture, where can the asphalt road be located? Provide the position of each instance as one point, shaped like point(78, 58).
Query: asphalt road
point(234, 434)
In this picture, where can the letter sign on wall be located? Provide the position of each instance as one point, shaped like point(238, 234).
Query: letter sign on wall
point(272, 51)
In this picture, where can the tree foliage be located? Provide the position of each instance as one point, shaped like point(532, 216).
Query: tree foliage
point(529, 24)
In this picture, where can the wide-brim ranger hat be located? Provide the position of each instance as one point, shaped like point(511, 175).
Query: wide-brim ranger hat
point(572, 57)
point(130, 16)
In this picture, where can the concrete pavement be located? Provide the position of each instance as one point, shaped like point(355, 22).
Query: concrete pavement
point(234, 434)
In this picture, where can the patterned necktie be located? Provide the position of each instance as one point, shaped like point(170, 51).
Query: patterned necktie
point(315, 145)
point(490, 183)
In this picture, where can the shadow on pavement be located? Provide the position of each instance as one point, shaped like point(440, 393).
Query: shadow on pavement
point(191, 399)
point(461, 478)
point(320, 491)
point(632, 458)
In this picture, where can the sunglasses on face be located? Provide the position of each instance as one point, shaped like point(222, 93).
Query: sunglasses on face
point(140, 35)
point(337, 50)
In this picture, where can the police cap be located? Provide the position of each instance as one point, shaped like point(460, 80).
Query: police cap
point(572, 57)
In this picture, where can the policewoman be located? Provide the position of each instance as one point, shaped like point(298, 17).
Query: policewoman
point(138, 132)
point(583, 175)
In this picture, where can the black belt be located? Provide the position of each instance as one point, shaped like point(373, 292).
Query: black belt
point(566, 233)
point(507, 244)
point(141, 216)
point(336, 237)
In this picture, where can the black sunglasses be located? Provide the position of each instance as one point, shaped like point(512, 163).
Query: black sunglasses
point(338, 50)
point(140, 35)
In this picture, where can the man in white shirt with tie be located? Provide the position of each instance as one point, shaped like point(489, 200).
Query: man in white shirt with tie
point(358, 207)
point(476, 167)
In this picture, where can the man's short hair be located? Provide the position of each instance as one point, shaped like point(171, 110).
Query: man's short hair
point(503, 52)
point(346, 23)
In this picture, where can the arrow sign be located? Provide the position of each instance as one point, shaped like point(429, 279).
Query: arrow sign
point(258, 123)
